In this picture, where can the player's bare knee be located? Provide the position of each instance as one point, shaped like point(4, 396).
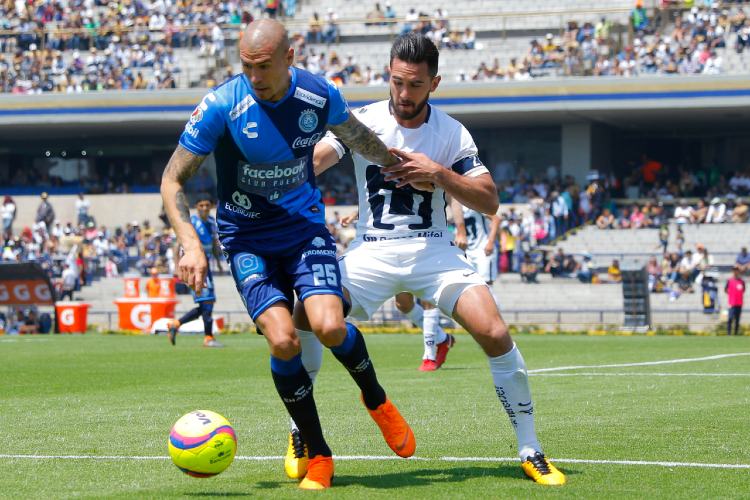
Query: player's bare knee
point(331, 332)
point(495, 340)
point(284, 346)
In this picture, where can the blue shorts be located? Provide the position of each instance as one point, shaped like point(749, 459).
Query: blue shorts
point(309, 269)
point(207, 292)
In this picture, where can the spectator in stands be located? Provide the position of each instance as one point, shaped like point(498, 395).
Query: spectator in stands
point(410, 21)
point(700, 213)
point(68, 282)
point(468, 39)
point(740, 211)
point(654, 271)
point(82, 209)
point(390, 12)
point(44, 212)
point(683, 213)
point(529, 269)
point(637, 218)
point(623, 221)
point(614, 275)
point(375, 17)
point(743, 261)
point(331, 32)
point(689, 269)
point(716, 211)
point(315, 29)
point(585, 272)
point(639, 17)
point(556, 264)
point(152, 284)
point(9, 215)
point(606, 220)
point(735, 289)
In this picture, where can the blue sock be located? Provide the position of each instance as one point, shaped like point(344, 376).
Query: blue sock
point(352, 353)
point(296, 391)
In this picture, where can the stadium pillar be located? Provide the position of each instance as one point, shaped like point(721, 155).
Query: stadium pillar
point(576, 151)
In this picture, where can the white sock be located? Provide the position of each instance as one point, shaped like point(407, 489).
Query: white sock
point(416, 314)
point(429, 333)
point(312, 359)
point(312, 352)
point(512, 388)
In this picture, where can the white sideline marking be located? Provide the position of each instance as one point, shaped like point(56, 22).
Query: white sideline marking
point(643, 363)
point(389, 457)
point(641, 374)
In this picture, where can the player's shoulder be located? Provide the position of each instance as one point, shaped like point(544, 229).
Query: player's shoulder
point(442, 121)
point(313, 89)
point(374, 113)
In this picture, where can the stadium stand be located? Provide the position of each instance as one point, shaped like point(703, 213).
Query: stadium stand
point(96, 46)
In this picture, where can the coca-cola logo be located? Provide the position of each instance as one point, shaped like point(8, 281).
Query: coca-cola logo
point(305, 142)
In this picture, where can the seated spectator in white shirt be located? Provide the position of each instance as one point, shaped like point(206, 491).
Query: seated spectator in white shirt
point(716, 212)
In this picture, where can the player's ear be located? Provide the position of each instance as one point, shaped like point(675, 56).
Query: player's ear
point(435, 83)
point(290, 56)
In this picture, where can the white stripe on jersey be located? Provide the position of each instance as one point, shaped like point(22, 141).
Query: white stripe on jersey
point(387, 211)
point(477, 231)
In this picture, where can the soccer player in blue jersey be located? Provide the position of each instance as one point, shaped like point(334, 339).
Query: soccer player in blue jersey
point(262, 126)
point(205, 227)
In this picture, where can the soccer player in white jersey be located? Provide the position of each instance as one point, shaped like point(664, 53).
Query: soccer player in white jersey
point(424, 314)
point(403, 243)
point(477, 234)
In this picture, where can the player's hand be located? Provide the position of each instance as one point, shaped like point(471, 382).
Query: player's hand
point(460, 241)
point(193, 268)
point(489, 248)
point(415, 169)
point(348, 219)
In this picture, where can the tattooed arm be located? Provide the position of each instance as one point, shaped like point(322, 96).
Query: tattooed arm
point(192, 265)
point(360, 139)
point(363, 141)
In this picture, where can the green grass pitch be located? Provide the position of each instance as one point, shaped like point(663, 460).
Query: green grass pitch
point(98, 395)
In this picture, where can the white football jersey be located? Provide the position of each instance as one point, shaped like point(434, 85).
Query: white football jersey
point(477, 229)
point(387, 212)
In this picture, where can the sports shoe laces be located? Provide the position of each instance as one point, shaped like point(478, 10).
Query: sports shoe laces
point(540, 463)
point(298, 444)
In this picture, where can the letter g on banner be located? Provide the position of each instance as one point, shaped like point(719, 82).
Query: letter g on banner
point(140, 316)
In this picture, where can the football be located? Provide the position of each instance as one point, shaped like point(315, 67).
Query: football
point(202, 443)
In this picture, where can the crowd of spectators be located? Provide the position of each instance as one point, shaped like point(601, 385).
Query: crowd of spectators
point(75, 252)
point(686, 45)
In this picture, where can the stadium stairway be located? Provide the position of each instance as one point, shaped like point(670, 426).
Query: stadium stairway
point(722, 240)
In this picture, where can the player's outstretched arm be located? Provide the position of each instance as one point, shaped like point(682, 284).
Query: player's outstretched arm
point(477, 192)
point(182, 165)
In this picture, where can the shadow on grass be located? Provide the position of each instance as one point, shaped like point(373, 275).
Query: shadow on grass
point(422, 477)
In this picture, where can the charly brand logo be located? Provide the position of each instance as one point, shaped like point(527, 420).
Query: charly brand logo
point(250, 130)
point(308, 120)
point(242, 200)
point(318, 242)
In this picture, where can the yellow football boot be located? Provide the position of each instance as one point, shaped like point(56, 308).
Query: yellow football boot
point(542, 471)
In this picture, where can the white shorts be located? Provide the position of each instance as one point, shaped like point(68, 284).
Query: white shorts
point(432, 270)
point(486, 265)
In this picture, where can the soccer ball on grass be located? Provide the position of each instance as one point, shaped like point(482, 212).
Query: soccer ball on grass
point(202, 443)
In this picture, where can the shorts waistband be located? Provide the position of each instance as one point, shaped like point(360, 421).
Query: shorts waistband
point(431, 235)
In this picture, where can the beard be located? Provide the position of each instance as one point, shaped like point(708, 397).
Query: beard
point(404, 115)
